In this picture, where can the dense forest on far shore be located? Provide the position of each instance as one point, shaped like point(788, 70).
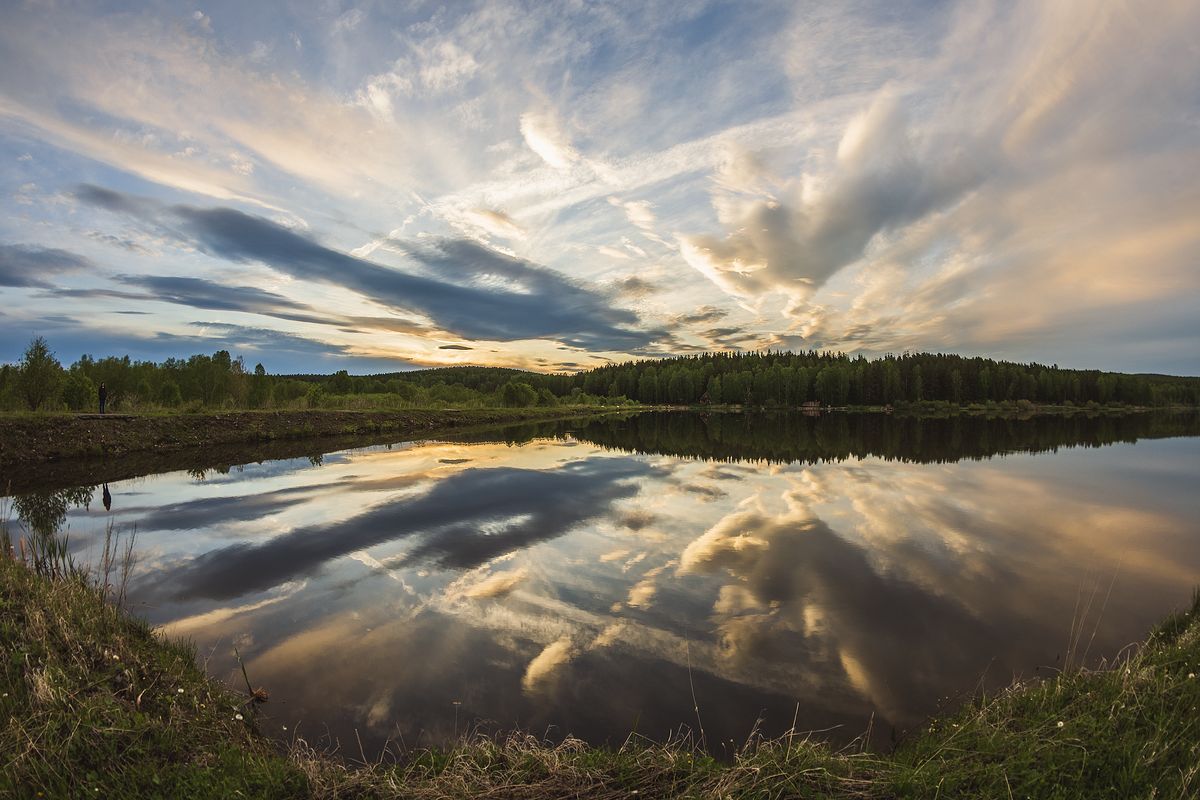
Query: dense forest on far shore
point(761, 379)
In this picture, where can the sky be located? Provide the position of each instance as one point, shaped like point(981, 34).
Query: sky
point(554, 186)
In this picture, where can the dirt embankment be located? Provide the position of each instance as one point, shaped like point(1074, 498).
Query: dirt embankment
point(70, 449)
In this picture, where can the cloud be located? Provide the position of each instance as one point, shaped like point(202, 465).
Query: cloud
point(464, 521)
point(206, 294)
point(348, 21)
point(454, 347)
point(164, 102)
point(542, 668)
point(702, 315)
point(496, 585)
point(635, 286)
point(1015, 179)
point(642, 593)
point(612, 252)
point(947, 214)
point(488, 295)
point(495, 222)
point(545, 137)
point(880, 182)
point(796, 590)
point(206, 512)
point(639, 212)
point(432, 68)
point(638, 519)
point(27, 266)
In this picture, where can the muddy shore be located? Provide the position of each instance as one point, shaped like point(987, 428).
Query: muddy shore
point(60, 450)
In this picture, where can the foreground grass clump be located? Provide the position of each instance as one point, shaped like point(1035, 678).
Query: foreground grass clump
point(94, 704)
point(1131, 729)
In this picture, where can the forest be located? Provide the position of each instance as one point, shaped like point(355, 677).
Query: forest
point(757, 379)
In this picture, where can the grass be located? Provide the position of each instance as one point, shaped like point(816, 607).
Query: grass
point(94, 703)
point(1130, 729)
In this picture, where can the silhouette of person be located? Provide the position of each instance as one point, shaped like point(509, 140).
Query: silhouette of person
point(107, 499)
point(103, 397)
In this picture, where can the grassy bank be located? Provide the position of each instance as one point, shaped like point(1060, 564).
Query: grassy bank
point(94, 704)
point(34, 439)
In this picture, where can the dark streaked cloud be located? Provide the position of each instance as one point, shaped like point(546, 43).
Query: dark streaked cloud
point(207, 512)
point(479, 293)
point(209, 295)
point(455, 347)
point(705, 314)
point(118, 202)
point(542, 304)
point(30, 266)
point(636, 286)
point(201, 293)
point(463, 521)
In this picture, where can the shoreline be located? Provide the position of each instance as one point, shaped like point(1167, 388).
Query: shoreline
point(56, 448)
point(41, 452)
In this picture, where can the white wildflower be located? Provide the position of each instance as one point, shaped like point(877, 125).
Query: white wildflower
point(238, 716)
point(1061, 723)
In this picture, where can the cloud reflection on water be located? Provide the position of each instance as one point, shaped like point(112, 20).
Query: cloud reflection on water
point(461, 522)
point(849, 588)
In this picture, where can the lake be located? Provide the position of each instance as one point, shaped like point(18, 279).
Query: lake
point(661, 572)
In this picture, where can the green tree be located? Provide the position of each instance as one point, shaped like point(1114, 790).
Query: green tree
point(833, 385)
point(647, 390)
point(79, 393)
point(168, 394)
point(40, 374)
point(340, 382)
point(260, 388)
point(518, 395)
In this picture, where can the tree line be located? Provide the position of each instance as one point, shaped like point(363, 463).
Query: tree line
point(786, 379)
point(759, 379)
point(40, 382)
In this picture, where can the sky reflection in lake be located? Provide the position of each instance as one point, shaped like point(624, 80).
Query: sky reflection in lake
point(559, 585)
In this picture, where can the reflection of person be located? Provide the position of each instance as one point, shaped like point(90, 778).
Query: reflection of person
point(103, 397)
point(107, 499)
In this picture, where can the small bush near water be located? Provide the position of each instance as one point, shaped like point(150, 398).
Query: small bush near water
point(93, 703)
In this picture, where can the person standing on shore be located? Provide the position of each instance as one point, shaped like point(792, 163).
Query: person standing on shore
point(103, 397)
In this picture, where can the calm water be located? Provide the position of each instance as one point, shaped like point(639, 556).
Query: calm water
point(594, 578)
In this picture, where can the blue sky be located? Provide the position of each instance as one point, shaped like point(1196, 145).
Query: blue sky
point(379, 186)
